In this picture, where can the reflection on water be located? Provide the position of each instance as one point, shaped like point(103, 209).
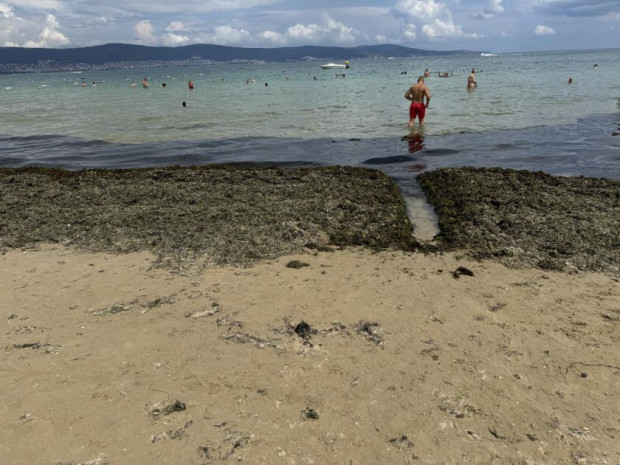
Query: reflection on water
point(415, 141)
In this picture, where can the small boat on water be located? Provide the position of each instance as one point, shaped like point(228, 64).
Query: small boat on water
point(336, 65)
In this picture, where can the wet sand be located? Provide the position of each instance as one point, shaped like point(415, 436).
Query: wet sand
point(344, 357)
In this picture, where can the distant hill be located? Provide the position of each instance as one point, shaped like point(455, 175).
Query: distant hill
point(114, 53)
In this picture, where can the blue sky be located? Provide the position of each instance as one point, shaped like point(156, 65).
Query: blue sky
point(489, 25)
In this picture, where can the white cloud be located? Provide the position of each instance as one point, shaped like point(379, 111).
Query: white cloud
point(542, 30)
point(338, 32)
point(494, 7)
point(329, 31)
point(381, 39)
point(302, 32)
point(6, 10)
point(144, 33)
point(432, 18)
point(421, 9)
point(410, 32)
point(176, 26)
point(9, 34)
point(50, 36)
point(170, 39)
point(271, 37)
point(439, 28)
point(227, 35)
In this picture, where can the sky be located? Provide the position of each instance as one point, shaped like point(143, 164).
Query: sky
point(477, 25)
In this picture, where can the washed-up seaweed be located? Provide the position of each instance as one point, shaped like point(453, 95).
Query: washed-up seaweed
point(231, 216)
point(525, 218)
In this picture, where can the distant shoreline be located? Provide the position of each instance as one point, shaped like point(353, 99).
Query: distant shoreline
point(127, 56)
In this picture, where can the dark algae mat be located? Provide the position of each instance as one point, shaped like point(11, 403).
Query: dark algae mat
point(225, 214)
point(527, 218)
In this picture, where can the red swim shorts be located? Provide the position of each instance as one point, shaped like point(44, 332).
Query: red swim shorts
point(417, 109)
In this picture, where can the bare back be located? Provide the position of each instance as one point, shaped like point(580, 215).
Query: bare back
point(417, 92)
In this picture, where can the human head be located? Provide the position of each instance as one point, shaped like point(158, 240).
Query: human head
point(473, 70)
point(421, 79)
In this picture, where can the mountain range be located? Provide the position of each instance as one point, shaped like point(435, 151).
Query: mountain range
point(115, 53)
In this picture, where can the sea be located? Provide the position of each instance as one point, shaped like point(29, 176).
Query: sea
point(524, 114)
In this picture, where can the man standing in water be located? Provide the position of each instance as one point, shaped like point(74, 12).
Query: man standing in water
point(416, 94)
point(471, 80)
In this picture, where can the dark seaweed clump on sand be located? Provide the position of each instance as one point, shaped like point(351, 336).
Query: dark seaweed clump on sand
point(219, 213)
point(528, 218)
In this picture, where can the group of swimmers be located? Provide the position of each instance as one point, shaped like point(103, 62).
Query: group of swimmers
point(146, 84)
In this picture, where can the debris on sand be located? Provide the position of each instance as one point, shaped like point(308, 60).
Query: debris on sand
point(296, 264)
point(402, 442)
point(112, 310)
point(370, 330)
point(157, 410)
point(49, 348)
point(233, 441)
point(243, 338)
point(215, 308)
point(303, 330)
point(101, 460)
point(229, 322)
point(157, 302)
point(178, 433)
point(457, 406)
point(462, 271)
point(310, 414)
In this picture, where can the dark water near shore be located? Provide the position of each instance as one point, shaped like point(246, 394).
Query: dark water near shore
point(586, 148)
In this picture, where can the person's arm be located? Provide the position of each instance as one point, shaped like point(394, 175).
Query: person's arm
point(408, 94)
point(428, 96)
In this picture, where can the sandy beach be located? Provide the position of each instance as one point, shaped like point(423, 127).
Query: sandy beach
point(344, 357)
point(217, 315)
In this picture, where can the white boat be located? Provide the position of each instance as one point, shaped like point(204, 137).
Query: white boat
point(336, 65)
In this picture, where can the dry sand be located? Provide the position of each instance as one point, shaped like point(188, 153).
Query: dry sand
point(109, 361)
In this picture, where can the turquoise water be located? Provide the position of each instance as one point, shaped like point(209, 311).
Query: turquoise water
point(515, 91)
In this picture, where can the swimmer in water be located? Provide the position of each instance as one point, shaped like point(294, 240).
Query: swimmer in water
point(471, 80)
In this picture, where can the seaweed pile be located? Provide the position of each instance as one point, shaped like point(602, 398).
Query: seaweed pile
point(230, 215)
point(525, 218)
